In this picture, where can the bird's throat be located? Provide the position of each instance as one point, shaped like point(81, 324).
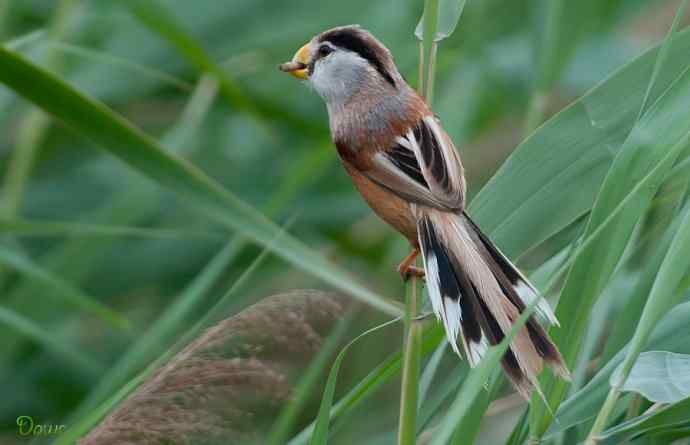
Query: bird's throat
point(375, 119)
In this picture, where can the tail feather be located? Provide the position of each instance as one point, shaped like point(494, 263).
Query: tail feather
point(447, 293)
point(544, 347)
point(478, 294)
point(524, 289)
point(521, 293)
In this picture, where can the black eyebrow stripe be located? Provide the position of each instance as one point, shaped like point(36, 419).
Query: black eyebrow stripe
point(354, 43)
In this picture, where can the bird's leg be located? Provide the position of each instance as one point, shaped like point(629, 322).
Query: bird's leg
point(406, 268)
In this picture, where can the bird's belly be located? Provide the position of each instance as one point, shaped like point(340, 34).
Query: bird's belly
point(388, 206)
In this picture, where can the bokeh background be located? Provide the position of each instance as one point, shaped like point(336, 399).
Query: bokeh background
point(93, 254)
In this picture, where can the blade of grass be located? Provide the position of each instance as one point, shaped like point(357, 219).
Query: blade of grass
point(430, 371)
point(467, 429)
point(662, 297)
point(440, 395)
point(101, 58)
point(546, 75)
point(320, 433)
point(370, 384)
point(594, 264)
point(596, 329)
point(670, 334)
point(662, 56)
point(653, 421)
point(25, 227)
point(567, 159)
point(27, 40)
point(33, 127)
point(601, 308)
point(641, 192)
point(76, 258)
point(519, 434)
point(431, 338)
point(4, 12)
point(57, 288)
point(162, 22)
point(623, 330)
point(288, 415)
point(53, 344)
point(98, 123)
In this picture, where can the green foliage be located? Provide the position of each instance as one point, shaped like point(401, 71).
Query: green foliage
point(660, 376)
point(105, 265)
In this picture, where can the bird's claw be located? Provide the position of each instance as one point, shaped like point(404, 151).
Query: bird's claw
point(411, 271)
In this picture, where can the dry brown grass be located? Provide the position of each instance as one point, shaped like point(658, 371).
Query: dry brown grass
point(229, 384)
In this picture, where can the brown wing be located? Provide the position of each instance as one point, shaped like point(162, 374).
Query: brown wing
point(422, 167)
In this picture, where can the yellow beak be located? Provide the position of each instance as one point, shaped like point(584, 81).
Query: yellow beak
point(298, 66)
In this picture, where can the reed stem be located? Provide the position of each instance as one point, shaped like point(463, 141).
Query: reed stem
point(412, 346)
point(412, 341)
point(547, 65)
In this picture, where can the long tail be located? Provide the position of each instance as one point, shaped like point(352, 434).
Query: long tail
point(478, 294)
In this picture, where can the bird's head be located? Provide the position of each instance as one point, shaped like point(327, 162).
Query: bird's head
point(344, 61)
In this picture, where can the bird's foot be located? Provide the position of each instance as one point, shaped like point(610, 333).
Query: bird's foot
point(413, 271)
point(407, 269)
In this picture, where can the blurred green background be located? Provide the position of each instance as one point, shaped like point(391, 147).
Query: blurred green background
point(88, 242)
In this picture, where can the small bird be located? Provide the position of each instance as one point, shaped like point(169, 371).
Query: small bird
point(407, 169)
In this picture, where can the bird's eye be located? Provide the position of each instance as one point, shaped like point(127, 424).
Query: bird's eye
point(325, 50)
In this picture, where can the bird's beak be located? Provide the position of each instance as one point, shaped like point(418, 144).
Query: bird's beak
point(299, 63)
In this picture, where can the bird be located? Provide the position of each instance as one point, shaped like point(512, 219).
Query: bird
point(407, 169)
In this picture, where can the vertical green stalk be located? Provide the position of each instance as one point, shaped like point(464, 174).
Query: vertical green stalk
point(603, 416)
point(4, 12)
point(412, 345)
point(536, 110)
point(429, 92)
point(34, 125)
point(429, 46)
point(546, 60)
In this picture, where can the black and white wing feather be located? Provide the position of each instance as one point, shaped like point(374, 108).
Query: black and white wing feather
point(422, 167)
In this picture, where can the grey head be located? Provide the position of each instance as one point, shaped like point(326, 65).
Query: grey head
point(368, 100)
point(348, 61)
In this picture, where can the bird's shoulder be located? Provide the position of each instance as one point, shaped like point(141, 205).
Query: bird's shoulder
point(418, 163)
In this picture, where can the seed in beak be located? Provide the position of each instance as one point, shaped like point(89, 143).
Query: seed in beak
point(289, 67)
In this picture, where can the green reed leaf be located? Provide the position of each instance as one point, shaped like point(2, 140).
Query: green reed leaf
point(98, 123)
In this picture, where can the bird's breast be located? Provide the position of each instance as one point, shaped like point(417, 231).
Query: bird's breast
point(388, 206)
